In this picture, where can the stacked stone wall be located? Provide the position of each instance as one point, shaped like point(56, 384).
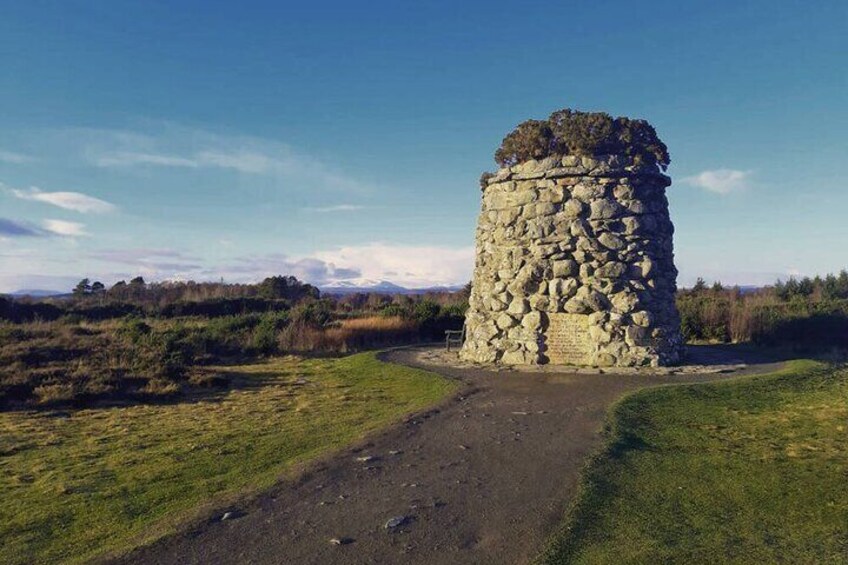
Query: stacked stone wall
point(574, 265)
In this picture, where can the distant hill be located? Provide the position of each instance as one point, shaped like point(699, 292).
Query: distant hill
point(36, 293)
point(351, 286)
point(749, 288)
point(339, 287)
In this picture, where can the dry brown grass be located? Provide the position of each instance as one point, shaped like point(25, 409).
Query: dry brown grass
point(346, 336)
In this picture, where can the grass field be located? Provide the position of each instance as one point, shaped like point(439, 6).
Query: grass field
point(753, 470)
point(75, 484)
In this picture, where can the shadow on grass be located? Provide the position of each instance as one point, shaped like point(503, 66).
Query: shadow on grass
point(750, 354)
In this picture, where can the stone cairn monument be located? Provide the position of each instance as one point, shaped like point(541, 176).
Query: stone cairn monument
point(574, 260)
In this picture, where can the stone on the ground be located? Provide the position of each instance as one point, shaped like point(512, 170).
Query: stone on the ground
point(396, 522)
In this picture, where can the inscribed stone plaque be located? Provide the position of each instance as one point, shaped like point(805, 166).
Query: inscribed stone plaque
point(567, 339)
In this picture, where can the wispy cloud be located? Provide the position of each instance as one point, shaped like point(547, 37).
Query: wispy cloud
point(411, 266)
point(135, 254)
point(75, 201)
point(241, 161)
point(65, 228)
point(169, 264)
point(14, 158)
point(152, 261)
point(245, 161)
point(131, 158)
point(176, 147)
point(12, 228)
point(336, 208)
point(720, 181)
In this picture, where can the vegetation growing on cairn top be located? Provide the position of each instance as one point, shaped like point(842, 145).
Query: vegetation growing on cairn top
point(569, 132)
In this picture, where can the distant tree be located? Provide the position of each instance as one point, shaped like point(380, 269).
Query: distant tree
point(805, 286)
point(83, 288)
point(426, 310)
point(97, 287)
point(137, 281)
point(717, 286)
point(465, 293)
point(5, 308)
point(286, 287)
point(119, 285)
point(275, 287)
point(700, 285)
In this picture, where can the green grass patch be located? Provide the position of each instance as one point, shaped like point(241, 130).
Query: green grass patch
point(753, 470)
point(77, 484)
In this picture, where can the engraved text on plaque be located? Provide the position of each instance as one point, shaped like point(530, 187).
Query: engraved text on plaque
point(567, 339)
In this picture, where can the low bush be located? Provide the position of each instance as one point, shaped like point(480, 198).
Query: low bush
point(265, 333)
point(806, 313)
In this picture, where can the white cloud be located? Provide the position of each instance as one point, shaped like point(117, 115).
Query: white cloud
point(75, 201)
point(65, 228)
point(720, 181)
point(14, 158)
point(412, 266)
point(256, 267)
point(336, 208)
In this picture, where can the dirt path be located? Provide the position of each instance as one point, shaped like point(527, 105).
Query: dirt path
point(483, 479)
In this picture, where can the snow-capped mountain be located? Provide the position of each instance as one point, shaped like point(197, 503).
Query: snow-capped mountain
point(347, 286)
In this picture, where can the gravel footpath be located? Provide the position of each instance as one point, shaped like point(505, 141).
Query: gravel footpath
point(484, 478)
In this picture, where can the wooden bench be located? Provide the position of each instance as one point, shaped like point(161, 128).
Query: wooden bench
point(454, 337)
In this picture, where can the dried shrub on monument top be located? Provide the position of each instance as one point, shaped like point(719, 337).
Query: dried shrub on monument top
point(569, 132)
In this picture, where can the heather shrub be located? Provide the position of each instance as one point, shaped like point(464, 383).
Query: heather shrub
point(426, 311)
point(315, 313)
point(395, 310)
point(532, 139)
point(569, 132)
point(134, 330)
point(265, 334)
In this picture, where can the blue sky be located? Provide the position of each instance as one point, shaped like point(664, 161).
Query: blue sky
point(342, 140)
